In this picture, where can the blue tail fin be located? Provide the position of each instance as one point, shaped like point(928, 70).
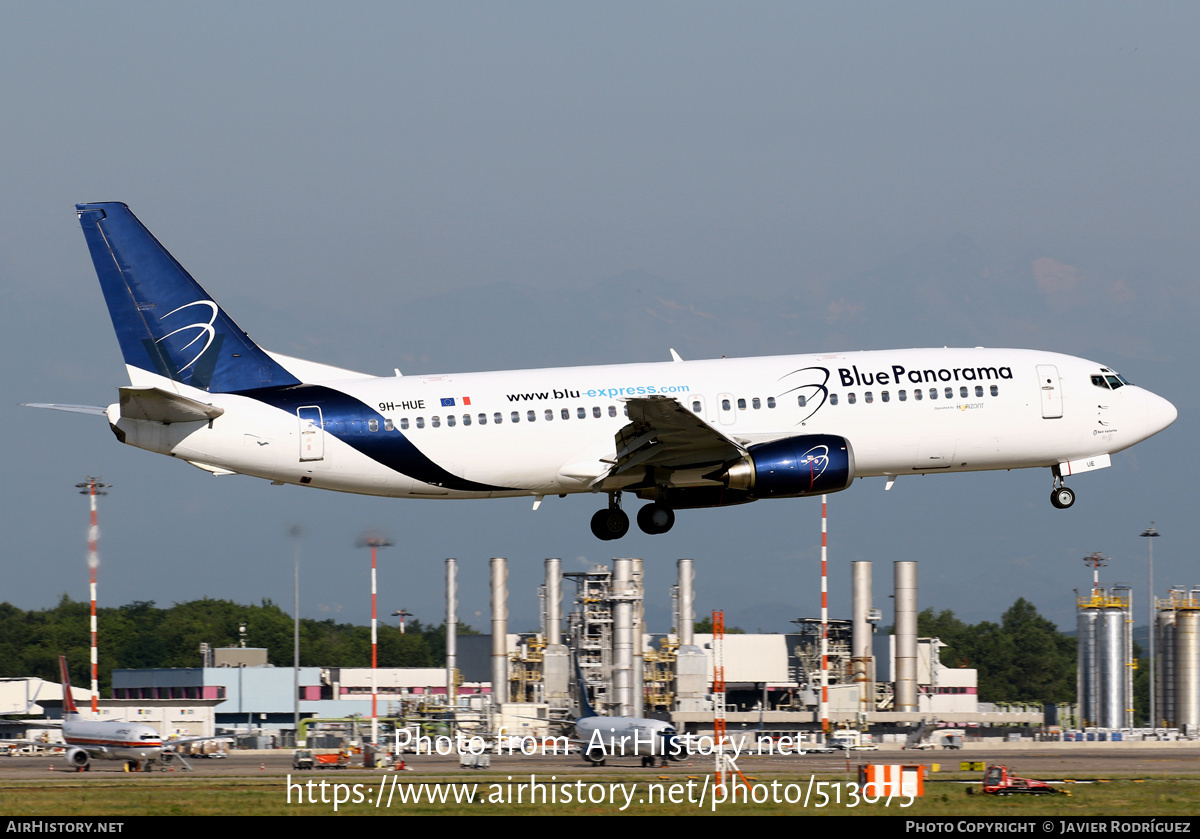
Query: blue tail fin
point(166, 323)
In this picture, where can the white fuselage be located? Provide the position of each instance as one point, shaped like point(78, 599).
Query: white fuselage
point(551, 431)
point(112, 740)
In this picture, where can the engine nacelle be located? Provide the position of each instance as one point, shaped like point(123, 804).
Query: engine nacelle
point(811, 464)
point(79, 758)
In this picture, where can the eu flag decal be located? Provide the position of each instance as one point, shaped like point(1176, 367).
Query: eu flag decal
point(448, 403)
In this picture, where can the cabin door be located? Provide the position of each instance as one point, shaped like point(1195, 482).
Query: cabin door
point(1051, 390)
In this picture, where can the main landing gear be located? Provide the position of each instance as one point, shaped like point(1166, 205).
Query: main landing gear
point(1061, 496)
point(613, 523)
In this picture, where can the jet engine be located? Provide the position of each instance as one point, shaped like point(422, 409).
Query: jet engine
point(79, 758)
point(811, 464)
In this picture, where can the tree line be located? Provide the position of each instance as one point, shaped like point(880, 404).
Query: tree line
point(143, 635)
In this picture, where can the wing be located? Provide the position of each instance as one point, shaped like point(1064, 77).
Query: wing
point(664, 435)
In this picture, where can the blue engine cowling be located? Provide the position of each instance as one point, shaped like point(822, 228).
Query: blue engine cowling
point(808, 465)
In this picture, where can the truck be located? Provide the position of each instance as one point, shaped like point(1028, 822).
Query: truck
point(997, 780)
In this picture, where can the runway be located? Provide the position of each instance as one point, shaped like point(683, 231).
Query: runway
point(1058, 760)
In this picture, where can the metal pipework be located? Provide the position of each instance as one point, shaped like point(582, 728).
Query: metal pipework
point(499, 578)
point(861, 631)
point(622, 670)
point(686, 619)
point(451, 627)
point(906, 637)
point(552, 628)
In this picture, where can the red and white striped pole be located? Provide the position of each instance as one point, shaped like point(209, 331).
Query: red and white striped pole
point(374, 541)
point(90, 489)
point(824, 617)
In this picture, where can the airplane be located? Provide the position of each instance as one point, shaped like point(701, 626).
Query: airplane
point(602, 737)
point(678, 434)
point(139, 745)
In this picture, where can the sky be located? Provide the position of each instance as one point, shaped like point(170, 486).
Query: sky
point(452, 186)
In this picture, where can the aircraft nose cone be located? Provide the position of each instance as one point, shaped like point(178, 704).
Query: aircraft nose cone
point(1159, 413)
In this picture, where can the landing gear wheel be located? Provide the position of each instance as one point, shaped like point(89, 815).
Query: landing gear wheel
point(1062, 498)
point(610, 524)
point(655, 518)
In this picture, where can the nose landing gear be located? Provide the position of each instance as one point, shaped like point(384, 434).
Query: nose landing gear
point(1061, 496)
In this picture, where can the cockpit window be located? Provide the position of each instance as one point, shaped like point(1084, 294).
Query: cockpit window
point(1100, 382)
point(1114, 379)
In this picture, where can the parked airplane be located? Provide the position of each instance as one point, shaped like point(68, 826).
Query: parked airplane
point(601, 737)
point(679, 434)
point(140, 746)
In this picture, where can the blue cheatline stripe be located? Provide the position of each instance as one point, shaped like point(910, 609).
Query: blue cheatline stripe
point(390, 448)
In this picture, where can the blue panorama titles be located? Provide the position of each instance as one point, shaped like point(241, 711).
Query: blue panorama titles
point(853, 378)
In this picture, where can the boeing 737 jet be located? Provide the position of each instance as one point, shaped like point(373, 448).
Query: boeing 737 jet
point(139, 745)
point(678, 434)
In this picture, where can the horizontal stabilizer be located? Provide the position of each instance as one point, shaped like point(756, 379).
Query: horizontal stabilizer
point(74, 409)
point(156, 405)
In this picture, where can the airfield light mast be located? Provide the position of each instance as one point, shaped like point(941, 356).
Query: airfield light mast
point(1150, 533)
point(91, 489)
point(374, 541)
point(824, 616)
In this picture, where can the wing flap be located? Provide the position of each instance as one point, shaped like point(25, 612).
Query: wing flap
point(663, 434)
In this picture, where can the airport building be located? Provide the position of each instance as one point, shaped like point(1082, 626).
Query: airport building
point(596, 635)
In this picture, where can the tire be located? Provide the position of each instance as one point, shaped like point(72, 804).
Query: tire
point(610, 524)
point(655, 519)
point(1062, 498)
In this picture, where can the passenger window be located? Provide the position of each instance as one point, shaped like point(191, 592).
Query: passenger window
point(498, 417)
point(531, 416)
point(832, 398)
point(869, 397)
point(979, 390)
point(962, 392)
point(756, 403)
point(995, 390)
point(612, 410)
point(566, 413)
point(903, 394)
point(450, 421)
point(483, 419)
point(626, 411)
point(549, 414)
point(373, 425)
point(883, 396)
point(696, 406)
point(420, 422)
point(581, 413)
point(933, 393)
point(918, 394)
point(466, 419)
point(387, 425)
point(516, 416)
point(596, 411)
point(741, 404)
point(949, 393)
point(436, 422)
point(770, 401)
point(801, 401)
point(404, 423)
point(725, 406)
point(851, 399)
